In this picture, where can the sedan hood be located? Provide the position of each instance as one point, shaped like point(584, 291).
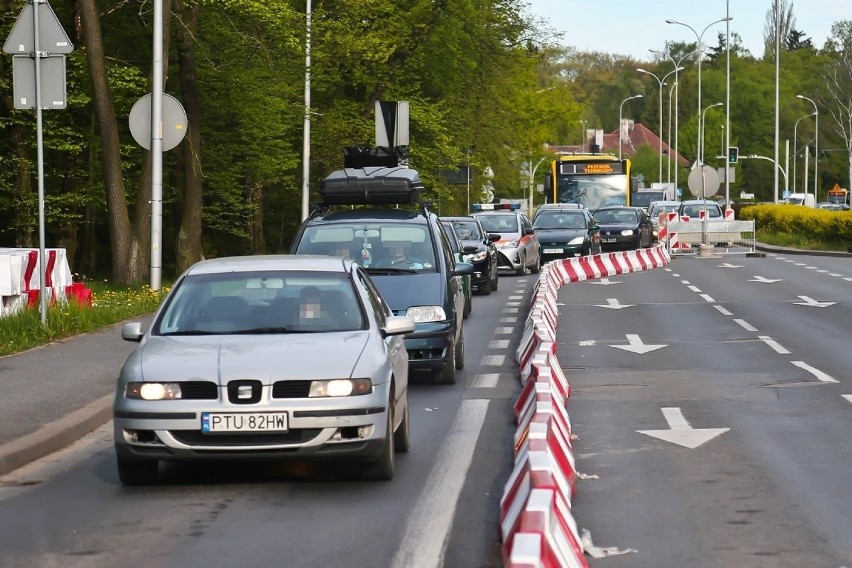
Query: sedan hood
point(401, 291)
point(267, 358)
point(556, 236)
point(617, 228)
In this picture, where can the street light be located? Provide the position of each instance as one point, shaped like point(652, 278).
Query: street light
point(701, 129)
point(620, 108)
point(676, 63)
point(584, 123)
point(661, 82)
point(816, 144)
point(530, 181)
point(306, 130)
point(796, 146)
point(698, 50)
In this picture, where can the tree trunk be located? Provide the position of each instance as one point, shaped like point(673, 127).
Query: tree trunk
point(256, 219)
point(189, 235)
point(25, 222)
point(116, 199)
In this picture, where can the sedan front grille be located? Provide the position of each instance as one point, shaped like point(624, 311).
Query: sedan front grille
point(199, 390)
point(291, 389)
point(196, 438)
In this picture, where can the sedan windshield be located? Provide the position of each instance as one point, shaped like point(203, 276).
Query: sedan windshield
point(499, 223)
point(261, 303)
point(616, 216)
point(559, 220)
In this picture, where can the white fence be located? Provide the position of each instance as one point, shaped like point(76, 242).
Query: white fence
point(726, 237)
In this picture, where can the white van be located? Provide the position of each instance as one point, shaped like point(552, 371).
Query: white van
point(806, 199)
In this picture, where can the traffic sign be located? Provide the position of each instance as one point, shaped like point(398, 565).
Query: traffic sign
point(52, 92)
point(52, 38)
point(173, 124)
point(703, 188)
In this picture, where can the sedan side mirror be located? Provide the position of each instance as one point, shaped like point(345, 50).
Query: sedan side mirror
point(529, 231)
point(132, 331)
point(493, 237)
point(398, 325)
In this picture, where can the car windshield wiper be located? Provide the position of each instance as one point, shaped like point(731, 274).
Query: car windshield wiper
point(390, 270)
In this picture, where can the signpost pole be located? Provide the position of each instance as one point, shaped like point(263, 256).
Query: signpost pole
point(157, 149)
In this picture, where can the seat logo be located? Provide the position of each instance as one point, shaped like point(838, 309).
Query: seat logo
point(244, 392)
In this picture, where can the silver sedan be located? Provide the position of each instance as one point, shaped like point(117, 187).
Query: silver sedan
point(265, 357)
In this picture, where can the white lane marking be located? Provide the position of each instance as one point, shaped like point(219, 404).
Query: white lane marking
point(516, 297)
point(612, 303)
point(707, 298)
point(810, 267)
point(675, 274)
point(511, 310)
point(636, 345)
point(765, 280)
point(509, 319)
point(685, 282)
point(822, 271)
point(498, 344)
point(493, 360)
point(745, 325)
point(723, 311)
point(774, 345)
point(847, 397)
point(695, 289)
point(808, 301)
point(513, 303)
point(835, 274)
point(820, 375)
point(848, 279)
point(427, 529)
point(798, 264)
point(680, 432)
point(487, 381)
point(504, 330)
point(586, 343)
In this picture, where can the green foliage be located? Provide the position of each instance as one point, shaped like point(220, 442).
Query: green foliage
point(806, 224)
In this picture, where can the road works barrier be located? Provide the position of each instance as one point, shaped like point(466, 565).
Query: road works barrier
point(537, 528)
point(20, 281)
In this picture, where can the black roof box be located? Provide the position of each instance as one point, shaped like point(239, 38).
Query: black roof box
point(371, 185)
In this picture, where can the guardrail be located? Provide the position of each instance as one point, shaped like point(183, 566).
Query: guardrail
point(684, 237)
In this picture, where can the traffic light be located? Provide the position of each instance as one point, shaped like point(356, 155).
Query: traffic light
point(733, 154)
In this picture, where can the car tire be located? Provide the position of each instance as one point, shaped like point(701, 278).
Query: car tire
point(486, 288)
point(447, 374)
point(460, 351)
point(468, 306)
point(494, 280)
point(522, 269)
point(137, 472)
point(402, 436)
point(537, 266)
point(382, 469)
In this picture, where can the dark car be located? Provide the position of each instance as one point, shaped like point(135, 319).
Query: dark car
point(456, 246)
point(407, 255)
point(694, 209)
point(566, 230)
point(624, 228)
point(479, 250)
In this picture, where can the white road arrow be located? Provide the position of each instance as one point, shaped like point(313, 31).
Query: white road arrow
point(636, 345)
point(729, 265)
point(764, 280)
point(680, 432)
point(612, 303)
point(813, 303)
point(604, 282)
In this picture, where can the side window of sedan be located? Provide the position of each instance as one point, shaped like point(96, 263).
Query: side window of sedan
point(377, 303)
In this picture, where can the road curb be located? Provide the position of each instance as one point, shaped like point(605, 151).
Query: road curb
point(55, 435)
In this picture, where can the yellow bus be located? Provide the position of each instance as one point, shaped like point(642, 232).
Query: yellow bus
point(592, 180)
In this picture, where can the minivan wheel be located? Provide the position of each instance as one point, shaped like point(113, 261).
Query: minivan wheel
point(447, 375)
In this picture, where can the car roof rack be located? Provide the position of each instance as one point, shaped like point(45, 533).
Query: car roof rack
point(371, 185)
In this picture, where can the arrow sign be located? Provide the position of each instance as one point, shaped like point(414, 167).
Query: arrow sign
point(604, 282)
point(729, 265)
point(763, 280)
point(51, 37)
point(681, 433)
point(612, 303)
point(636, 345)
point(813, 303)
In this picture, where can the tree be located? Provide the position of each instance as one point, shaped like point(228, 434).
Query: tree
point(786, 23)
point(838, 91)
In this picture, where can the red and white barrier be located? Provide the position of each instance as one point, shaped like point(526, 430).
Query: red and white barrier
point(21, 282)
point(547, 535)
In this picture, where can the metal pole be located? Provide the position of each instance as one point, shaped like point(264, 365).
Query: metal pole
point(816, 144)
point(669, 137)
point(42, 264)
point(796, 147)
point(727, 145)
point(583, 131)
point(306, 131)
point(777, 88)
point(157, 149)
point(620, 108)
point(467, 175)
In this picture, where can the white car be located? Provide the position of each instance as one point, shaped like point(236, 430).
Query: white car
point(271, 357)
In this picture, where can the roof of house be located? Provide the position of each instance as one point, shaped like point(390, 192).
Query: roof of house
point(637, 135)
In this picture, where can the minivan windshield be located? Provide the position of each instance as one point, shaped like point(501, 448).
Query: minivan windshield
point(373, 244)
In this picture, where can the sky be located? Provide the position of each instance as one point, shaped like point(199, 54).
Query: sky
point(632, 27)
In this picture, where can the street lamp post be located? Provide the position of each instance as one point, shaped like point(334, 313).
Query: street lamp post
point(816, 144)
point(620, 108)
point(698, 50)
point(530, 181)
point(677, 64)
point(661, 82)
point(701, 128)
point(306, 130)
point(583, 131)
point(672, 89)
point(796, 146)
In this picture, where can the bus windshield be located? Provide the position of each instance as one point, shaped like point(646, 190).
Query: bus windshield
point(592, 192)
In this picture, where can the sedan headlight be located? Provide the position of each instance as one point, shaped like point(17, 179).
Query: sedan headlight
point(426, 313)
point(153, 391)
point(576, 241)
point(340, 387)
point(627, 232)
point(476, 257)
